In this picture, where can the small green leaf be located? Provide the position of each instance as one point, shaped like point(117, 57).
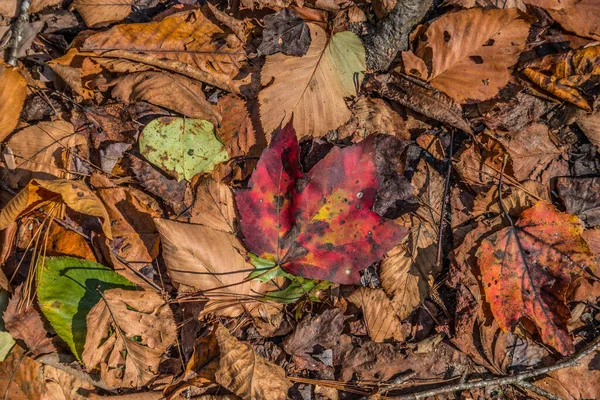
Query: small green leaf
point(182, 147)
point(347, 53)
point(266, 270)
point(297, 289)
point(6, 340)
point(67, 289)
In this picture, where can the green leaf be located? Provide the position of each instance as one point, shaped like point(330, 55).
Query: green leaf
point(298, 289)
point(182, 147)
point(266, 269)
point(67, 289)
point(6, 341)
point(347, 54)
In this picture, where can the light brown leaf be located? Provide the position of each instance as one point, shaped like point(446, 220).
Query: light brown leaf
point(378, 314)
point(171, 91)
point(470, 51)
point(41, 151)
point(13, 91)
point(579, 16)
point(114, 322)
point(590, 125)
point(237, 131)
point(247, 374)
point(213, 261)
point(214, 206)
point(185, 42)
point(97, 13)
point(74, 194)
point(371, 116)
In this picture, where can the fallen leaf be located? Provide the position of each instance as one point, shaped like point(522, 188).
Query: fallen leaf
point(527, 268)
point(431, 144)
point(326, 230)
point(182, 42)
point(19, 376)
point(128, 331)
point(213, 206)
point(517, 114)
point(237, 131)
point(246, 374)
point(97, 13)
point(66, 242)
point(212, 261)
point(13, 92)
point(312, 88)
point(6, 340)
point(372, 361)
point(383, 7)
point(181, 147)
point(580, 197)
point(286, 32)
point(24, 322)
point(421, 98)
point(564, 74)
point(67, 289)
point(38, 193)
point(479, 164)
point(171, 91)
point(515, 199)
point(321, 330)
point(579, 16)
point(372, 116)
point(378, 314)
point(478, 67)
point(29, 34)
point(590, 125)
point(41, 151)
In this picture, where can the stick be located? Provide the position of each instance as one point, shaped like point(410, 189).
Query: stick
point(509, 380)
point(537, 390)
point(17, 32)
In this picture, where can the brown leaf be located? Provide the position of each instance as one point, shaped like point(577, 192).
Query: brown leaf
point(421, 98)
point(237, 130)
point(65, 242)
point(378, 313)
point(579, 16)
point(171, 91)
point(24, 322)
point(590, 125)
point(20, 376)
point(40, 151)
point(245, 373)
point(372, 362)
point(13, 91)
point(38, 193)
point(478, 67)
point(97, 13)
point(213, 261)
point(187, 42)
point(479, 164)
point(580, 197)
point(431, 144)
point(129, 332)
point(581, 381)
point(371, 116)
point(213, 206)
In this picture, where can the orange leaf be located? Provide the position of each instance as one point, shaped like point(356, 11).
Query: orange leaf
point(527, 268)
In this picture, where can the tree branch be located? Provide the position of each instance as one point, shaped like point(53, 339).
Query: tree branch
point(17, 32)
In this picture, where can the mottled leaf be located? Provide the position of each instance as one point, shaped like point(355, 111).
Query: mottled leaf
point(285, 32)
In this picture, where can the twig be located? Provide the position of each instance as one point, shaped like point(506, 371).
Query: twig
point(509, 380)
point(17, 32)
point(538, 390)
point(444, 201)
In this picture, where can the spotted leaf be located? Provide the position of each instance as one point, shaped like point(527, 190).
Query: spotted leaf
point(319, 225)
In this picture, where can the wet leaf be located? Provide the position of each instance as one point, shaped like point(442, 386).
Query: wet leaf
point(312, 88)
point(326, 230)
point(527, 268)
point(182, 147)
point(127, 333)
point(67, 290)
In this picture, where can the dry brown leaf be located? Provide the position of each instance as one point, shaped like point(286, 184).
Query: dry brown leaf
point(237, 131)
point(515, 201)
point(479, 164)
point(213, 206)
point(13, 91)
point(66, 242)
point(383, 7)
point(378, 313)
point(579, 382)
point(39, 193)
point(129, 332)
point(579, 16)
point(245, 373)
point(185, 42)
point(590, 125)
point(41, 151)
point(171, 91)
point(307, 87)
point(431, 144)
point(97, 13)
point(487, 3)
point(470, 52)
point(371, 116)
point(213, 261)
point(20, 376)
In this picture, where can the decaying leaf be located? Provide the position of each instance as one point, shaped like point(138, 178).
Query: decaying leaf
point(312, 88)
point(579, 16)
point(182, 147)
point(102, 12)
point(580, 197)
point(213, 206)
point(236, 131)
point(378, 314)
point(527, 268)
point(285, 32)
point(468, 53)
point(321, 226)
point(127, 333)
point(371, 116)
point(13, 91)
point(245, 373)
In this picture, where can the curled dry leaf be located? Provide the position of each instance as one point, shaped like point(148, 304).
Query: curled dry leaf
point(41, 151)
point(185, 42)
point(469, 53)
point(312, 88)
point(378, 314)
point(38, 193)
point(97, 13)
point(13, 91)
point(527, 268)
point(371, 116)
point(245, 373)
point(171, 91)
point(128, 332)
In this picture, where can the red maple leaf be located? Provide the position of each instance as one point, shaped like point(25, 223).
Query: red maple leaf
point(319, 225)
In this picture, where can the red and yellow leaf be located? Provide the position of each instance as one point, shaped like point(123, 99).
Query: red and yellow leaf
point(527, 268)
point(319, 225)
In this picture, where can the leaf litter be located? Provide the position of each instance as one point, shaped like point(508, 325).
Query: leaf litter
point(225, 201)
